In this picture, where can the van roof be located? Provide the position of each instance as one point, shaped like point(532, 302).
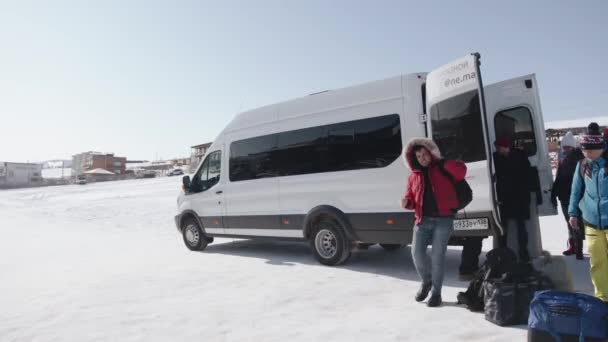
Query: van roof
point(368, 92)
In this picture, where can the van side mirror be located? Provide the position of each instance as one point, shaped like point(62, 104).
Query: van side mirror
point(186, 183)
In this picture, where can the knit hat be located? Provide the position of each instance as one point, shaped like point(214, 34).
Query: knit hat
point(593, 140)
point(593, 128)
point(569, 140)
point(503, 142)
point(606, 133)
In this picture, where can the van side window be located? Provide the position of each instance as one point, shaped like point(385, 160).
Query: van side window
point(251, 158)
point(352, 145)
point(516, 124)
point(362, 144)
point(302, 151)
point(457, 127)
point(209, 173)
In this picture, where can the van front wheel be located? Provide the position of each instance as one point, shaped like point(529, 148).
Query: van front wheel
point(330, 244)
point(193, 236)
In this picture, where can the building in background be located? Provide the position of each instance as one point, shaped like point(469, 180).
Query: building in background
point(149, 169)
point(555, 130)
point(56, 170)
point(554, 135)
point(95, 160)
point(99, 175)
point(14, 175)
point(197, 154)
point(183, 163)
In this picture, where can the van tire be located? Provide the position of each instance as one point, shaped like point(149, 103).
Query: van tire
point(329, 243)
point(391, 246)
point(193, 236)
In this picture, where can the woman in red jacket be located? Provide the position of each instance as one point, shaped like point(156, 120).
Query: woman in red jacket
point(433, 198)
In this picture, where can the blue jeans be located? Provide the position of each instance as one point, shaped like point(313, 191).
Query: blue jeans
point(433, 231)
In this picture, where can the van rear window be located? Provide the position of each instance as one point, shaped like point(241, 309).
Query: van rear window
point(457, 128)
point(517, 125)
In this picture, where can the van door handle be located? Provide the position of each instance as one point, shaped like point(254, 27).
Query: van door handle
point(219, 192)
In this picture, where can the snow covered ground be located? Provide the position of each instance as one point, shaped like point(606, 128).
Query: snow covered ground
point(104, 262)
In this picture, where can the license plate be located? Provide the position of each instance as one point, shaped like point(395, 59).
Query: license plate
point(471, 224)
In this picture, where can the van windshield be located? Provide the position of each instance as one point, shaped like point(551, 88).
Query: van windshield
point(457, 127)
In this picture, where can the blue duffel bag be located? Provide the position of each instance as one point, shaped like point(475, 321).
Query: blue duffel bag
point(564, 315)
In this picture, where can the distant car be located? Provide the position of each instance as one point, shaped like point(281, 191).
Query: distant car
point(81, 179)
point(176, 172)
point(149, 174)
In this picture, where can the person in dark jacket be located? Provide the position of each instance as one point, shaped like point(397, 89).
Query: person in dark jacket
point(562, 188)
point(431, 194)
point(513, 186)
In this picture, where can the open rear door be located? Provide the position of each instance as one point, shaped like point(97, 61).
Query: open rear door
point(513, 111)
point(457, 123)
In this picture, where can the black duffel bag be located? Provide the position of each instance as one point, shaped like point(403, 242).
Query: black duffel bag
point(500, 302)
point(507, 299)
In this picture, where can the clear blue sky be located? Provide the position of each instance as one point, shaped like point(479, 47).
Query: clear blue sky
point(151, 78)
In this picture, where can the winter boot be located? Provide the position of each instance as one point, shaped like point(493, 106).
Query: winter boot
point(579, 249)
point(571, 248)
point(423, 292)
point(434, 301)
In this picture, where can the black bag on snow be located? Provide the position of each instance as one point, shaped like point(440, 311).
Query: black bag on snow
point(498, 261)
point(507, 299)
point(499, 302)
point(503, 288)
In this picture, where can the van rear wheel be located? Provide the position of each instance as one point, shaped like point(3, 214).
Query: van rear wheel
point(193, 236)
point(391, 246)
point(329, 243)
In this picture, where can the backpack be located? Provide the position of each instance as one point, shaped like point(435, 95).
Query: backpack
point(584, 168)
point(462, 188)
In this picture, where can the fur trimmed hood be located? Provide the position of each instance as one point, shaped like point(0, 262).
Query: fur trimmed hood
point(408, 156)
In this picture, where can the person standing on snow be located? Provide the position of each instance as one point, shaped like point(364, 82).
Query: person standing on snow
point(431, 194)
point(513, 187)
point(562, 189)
point(590, 195)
